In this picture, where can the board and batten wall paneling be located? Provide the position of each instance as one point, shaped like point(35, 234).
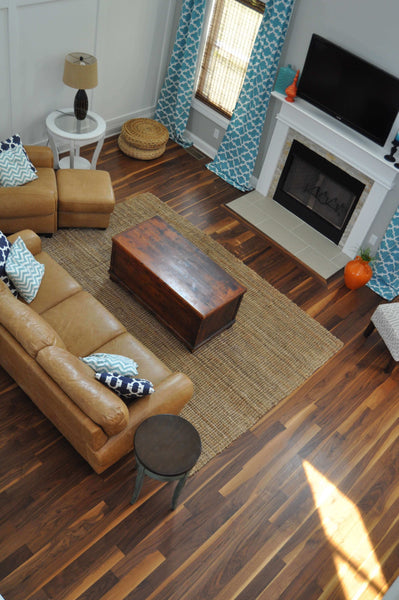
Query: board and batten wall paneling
point(133, 51)
point(131, 39)
point(5, 82)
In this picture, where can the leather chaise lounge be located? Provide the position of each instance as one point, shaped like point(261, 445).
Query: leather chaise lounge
point(40, 346)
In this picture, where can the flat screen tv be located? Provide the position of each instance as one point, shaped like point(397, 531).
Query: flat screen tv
point(350, 89)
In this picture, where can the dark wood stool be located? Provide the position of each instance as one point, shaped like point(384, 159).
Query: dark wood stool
point(166, 448)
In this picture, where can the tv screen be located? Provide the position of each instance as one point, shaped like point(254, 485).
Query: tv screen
point(350, 89)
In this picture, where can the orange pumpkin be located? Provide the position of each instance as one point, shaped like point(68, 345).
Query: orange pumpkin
point(357, 272)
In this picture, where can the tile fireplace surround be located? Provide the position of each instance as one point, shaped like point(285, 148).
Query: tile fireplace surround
point(343, 147)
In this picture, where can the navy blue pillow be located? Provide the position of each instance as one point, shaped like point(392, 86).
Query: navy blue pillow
point(4, 252)
point(127, 388)
point(10, 143)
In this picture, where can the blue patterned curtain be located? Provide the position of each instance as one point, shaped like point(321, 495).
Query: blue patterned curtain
point(385, 279)
point(174, 103)
point(235, 159)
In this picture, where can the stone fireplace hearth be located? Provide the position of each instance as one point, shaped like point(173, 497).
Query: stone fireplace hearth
point(346, 150)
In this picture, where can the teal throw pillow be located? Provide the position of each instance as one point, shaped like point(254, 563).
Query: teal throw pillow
point(127, 388)
point(24, 270)
point(111, 363)
point(15, 166)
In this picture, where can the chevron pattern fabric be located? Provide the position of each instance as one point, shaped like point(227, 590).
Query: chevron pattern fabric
point(24, 270)
point(114, 363)
point(15, 166)
point(4, 252)
point(235, 159)
point(127, 388)
point(386, 321)
point(385, 279)
point(175, 99)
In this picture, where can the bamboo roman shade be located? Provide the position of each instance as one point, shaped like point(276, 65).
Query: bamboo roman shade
point(233, 29)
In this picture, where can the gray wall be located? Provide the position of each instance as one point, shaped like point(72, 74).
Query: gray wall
point(366, 27)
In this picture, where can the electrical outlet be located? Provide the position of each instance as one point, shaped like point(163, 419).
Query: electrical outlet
point(373, 239)
point(216, 133)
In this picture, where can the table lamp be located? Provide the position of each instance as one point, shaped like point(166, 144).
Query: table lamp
point(80, 73)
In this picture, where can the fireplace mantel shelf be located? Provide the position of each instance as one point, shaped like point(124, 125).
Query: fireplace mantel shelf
point(341, 142)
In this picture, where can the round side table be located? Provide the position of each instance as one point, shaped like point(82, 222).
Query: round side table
point(63, 127)
point(166, 448)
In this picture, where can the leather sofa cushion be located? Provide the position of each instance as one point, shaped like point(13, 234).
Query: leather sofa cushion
point(77, 380)
point(149, 365)
point(83, 323)
point(57, 284)
point(25, 325)
point(36, 198)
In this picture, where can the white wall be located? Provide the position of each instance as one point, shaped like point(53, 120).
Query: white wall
point(366, 27)
point(130, 38)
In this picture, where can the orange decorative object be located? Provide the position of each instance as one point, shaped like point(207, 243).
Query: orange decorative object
point(357, 273)
point(291, 89)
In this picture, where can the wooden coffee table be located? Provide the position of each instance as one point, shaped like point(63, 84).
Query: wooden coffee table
point(181, 285)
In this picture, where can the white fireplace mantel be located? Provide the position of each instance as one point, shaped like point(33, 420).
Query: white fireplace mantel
point(342, 142)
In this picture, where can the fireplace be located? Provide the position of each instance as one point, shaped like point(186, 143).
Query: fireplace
point(318, 191)
point(347, 150)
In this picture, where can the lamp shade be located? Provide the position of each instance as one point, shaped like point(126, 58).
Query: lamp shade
point(80, 71)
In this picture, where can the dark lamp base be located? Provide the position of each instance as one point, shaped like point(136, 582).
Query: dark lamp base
point(81, 105)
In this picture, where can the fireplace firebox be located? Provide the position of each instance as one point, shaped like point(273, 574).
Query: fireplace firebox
point(317, 191)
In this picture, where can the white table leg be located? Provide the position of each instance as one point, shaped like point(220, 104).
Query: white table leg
point(97, 152)
point(72, 155)
point(54, 149)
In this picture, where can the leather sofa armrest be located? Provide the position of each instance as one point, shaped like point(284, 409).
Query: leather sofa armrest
point(31, 239)
point(40, 156)
point(77, 380)
point(170, 396)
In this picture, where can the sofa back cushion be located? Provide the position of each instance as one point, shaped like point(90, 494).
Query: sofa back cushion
point(25, 325)
point(77, 380)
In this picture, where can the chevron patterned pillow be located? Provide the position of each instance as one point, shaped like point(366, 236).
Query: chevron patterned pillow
point(4, 252)
point(115, 363)
point(127, 388)
point(15, 166)
point(24, 270)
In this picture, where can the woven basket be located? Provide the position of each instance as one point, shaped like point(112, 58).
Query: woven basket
point(139, 153)
point(143, 138)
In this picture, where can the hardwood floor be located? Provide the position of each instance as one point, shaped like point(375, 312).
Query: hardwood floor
point(304, 506)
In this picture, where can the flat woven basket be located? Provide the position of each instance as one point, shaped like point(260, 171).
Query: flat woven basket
point(144, 133)
point(139, 153)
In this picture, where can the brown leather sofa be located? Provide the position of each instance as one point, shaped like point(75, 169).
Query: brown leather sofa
point(39, 347)
point(66, 198)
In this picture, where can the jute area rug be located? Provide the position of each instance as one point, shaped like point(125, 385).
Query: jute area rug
point(240, 374)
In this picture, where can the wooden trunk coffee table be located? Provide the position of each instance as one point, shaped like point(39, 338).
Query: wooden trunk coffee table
point(182, 286)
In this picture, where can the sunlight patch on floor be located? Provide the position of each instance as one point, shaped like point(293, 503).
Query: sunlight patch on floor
point(357, 566)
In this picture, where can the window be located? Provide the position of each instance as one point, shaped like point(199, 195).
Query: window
point(233, 28)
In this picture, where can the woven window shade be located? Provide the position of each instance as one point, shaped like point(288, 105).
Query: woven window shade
point(233, 29)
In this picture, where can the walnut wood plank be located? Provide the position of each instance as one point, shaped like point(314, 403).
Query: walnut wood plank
point(304, 506)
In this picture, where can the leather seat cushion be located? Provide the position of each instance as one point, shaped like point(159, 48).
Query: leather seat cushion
point(36, 198)
point(149, 365)
point(83, 323)
point(56, 285)
point(86, 191)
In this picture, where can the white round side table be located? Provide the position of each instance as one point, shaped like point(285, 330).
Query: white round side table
point(64, 127)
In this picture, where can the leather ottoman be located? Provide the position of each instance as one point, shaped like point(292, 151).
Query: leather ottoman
point(85, 198)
